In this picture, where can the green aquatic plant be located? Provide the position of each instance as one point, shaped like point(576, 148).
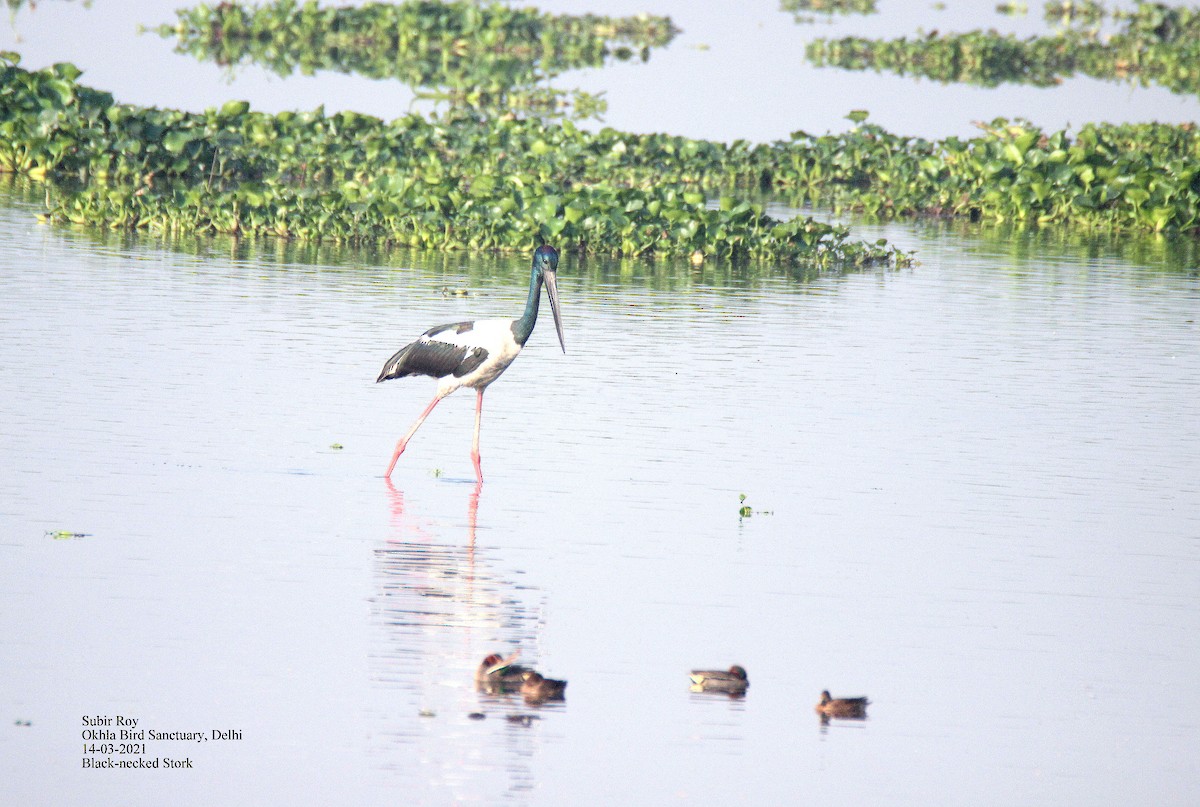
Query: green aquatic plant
point(1133, 177)
point(460, 182)
point(804, 7)
point(16, 5)
point(1013, 9)
point(349, 178)
point(746, 511)
point(65, 535)
point(1156, 45)
point(986, 58)
point(485, 56)
point(448, 214)
point(1072, 12)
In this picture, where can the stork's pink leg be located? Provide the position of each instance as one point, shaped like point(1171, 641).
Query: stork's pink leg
point(475, 441)
point(404, 440)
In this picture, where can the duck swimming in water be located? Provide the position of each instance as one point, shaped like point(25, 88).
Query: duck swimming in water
point(846, 708)
point(733, 680)
point(537, 689)
point(498, 674)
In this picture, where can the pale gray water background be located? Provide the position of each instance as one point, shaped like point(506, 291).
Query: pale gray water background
point(982, 476)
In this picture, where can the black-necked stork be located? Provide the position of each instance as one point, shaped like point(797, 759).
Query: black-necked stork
point(474, 354)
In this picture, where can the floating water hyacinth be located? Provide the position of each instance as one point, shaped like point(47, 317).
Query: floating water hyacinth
point(483, 56)
point(1154, 44)
point(801, 8)
point(504, 184)
point(347, 178)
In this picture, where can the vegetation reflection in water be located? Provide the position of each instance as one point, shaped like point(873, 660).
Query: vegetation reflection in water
point(1038, 246)
point(1155, 44)
point(448, 273)
point(489, 57)
point(484, 274)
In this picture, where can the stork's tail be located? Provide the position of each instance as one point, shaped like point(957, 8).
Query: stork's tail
point(395, 366)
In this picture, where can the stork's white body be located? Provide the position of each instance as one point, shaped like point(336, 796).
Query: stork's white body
point(493, 335)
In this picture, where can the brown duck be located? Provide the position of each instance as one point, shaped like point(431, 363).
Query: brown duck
point(498, 674)
point(536, 689)
point(732, 680)
point(850, 708)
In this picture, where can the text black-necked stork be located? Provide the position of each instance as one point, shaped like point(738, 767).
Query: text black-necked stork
point(474, 354)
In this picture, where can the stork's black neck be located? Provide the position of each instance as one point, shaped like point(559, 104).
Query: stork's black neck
point(523, 327)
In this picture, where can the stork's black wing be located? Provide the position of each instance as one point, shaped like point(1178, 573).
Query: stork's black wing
point(432, 357)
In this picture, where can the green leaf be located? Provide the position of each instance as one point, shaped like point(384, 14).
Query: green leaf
point(232, 109)
point(66, 70)
point(177, 141)
point(1136, 196)
point(483, 185)
point(546, 208)
point(65, 90)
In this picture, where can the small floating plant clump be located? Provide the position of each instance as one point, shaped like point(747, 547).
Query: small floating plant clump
point(65, 535)
point(804, 7)
point(483, 56)
point(1086, 12)
point(1013, 9)
point(746, 511)
point(1155, 45)
point(16, 5)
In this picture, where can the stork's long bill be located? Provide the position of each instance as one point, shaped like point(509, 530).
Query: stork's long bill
point(552, 293)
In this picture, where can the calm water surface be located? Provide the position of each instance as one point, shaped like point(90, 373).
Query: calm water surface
point(976, 486)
